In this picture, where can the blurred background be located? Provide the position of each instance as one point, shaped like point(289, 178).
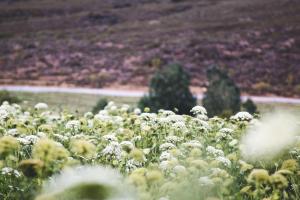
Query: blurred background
point(54, 51)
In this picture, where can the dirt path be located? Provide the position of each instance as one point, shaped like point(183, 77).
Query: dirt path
point(129, 93)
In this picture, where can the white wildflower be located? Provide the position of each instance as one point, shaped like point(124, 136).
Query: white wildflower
point(233, 142)
point(113, 149)
point(132, 164)
point(165, 156)
point(199, 110)
point(41, 106)
point(225, 161)
point(226, 130)
point(166, 146)
point(88, 115)
point(73, 125)
point(179, 169)
point(205, 181)
point(127, 145)
point(179, 126)
point(266, 140)
point(87, 178)
point(125, 108)
point(192, 144)
point(137, 111)
point(214, 152)
point(166, 113)
point(175, 118)
point(173, 139)
point(11, 172)
point(3, 114)
point(242, 116)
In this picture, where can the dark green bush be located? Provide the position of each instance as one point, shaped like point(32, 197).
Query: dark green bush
point(100, 105)
point(250, 106)
point(222, 97)
point(169, 89)
point(6, 96)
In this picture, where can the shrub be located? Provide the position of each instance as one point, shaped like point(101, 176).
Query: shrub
point(100, 105)
point(169, 89)
point(6, 96)
point(250, 106)
point(222, 97)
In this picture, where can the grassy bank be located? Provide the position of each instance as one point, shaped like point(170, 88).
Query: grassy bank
point(85, 102)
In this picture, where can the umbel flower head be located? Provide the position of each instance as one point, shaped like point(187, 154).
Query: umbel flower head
point(266, 140)
point(88, 183)
point(259, 176)
point(8, 145)
point(83, 148)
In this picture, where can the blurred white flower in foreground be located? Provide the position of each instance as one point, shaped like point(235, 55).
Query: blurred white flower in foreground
point(264, 141)
point(87, 183)
point(242, 116)
point(41, 106)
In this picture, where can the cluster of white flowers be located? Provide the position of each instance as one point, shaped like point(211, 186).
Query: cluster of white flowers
point(165, 165)
point(199, 110)
point(242, 116)
point(205, 181)
point(106, 179)
point(132, 164)
point(41, 106)
point(61, 138)
point(179, 126)
point(179, 169)
point(158, 153)
point(125, 108)
point(73, 125)
point(226, 130)
point(3, 114)
point(113, 150)
point(173, 139)
point(166, 113)
point(265, 140)
point(127, 145)
point(224, 134)
point(137, 111)
point(165, 155)
point(214, 152)
point(166, 146)
point(192, 144)
point(233, 142)
point(11, 172)
point(175, 118)
point(28, 140)
point(224, 161)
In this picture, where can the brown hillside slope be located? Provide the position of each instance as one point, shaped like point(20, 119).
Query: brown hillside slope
point(95, 43)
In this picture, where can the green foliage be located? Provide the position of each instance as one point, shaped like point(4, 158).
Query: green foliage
point(6, 96)
point(169, 89)
point(100, 105)
point(250, 106)
point(160, 156)
point(222, 97)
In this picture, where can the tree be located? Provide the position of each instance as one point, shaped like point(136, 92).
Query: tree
point(249, 106)
point(100, 105)
point(6, 96)
point(222, 97)
point(169, 89)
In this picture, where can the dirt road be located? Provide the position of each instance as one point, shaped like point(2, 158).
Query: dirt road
point(129, 93)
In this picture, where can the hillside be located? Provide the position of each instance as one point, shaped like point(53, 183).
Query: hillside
point(96, 43)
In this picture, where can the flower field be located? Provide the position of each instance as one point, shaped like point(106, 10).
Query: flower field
point(123, 153)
